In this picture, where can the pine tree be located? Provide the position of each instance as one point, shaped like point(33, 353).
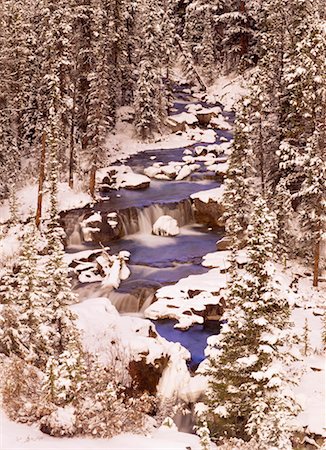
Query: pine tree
point(201, 31)
point(312, 196)
point(238, 32)
point(25, 316)
point(149, 101)
point(58, 288)
point(98, 120)
point(237, 189)
point(64, 377)
point(13, 203)
point(248, 380)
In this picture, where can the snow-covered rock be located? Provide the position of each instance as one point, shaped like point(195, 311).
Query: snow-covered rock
point(92, 266)
point(166, 226)
point(188, 306)
point(209, 208)
point(116, 177)
point(107, 334)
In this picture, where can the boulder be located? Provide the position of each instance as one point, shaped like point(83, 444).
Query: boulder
point(146, 376)
point(166, 226)
point(101, 228)
point(209, 213)
point(135, 181)
point(223, 244)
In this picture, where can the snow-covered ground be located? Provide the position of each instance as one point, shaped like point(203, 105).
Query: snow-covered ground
point(16, 436)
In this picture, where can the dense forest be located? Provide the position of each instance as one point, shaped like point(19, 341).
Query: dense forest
point(67, 70)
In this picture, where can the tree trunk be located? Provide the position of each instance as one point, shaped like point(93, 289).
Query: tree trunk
point(92, 181)
point(316, 263)
point(72, 143)
point(41, 183)
point(244, 37)
point(261, 159)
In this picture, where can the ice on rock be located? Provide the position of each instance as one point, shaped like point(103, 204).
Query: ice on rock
point(166, 226)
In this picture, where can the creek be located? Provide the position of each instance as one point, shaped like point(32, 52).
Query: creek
point(156, 261)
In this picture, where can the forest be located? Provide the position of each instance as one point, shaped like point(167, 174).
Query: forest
point(163, 224)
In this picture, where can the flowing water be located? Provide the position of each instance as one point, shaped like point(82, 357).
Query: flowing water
point(155, 261)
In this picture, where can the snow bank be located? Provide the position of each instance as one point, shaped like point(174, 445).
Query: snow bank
point(109, 335)
point(20, 436)
point(227, 90)
point(27, 201)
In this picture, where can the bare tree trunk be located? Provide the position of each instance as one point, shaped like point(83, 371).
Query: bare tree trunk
point(244, 38)
point(41, 183)
point(92, 181)
point(72, 143)
point(261, 159)
point(316, 263)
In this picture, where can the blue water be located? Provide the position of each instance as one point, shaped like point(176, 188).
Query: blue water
point(195, 339)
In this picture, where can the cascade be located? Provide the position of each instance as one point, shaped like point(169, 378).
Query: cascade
point(74, 238)
point(142, 219)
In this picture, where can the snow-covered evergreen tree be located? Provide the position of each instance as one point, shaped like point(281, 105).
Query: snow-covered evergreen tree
point(64, 377)
point(237, 189)
point(238, 31)
point(24, 330)
point(149, 101)
point(58, 287)
point(98, 120)
point(248, 377)
point(312, 196)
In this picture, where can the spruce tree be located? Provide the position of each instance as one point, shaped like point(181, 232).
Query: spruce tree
point(237, 189)
point(248, 380)
point(149, 101)
point(58, 288)
point(312, 199)
point(25, 315)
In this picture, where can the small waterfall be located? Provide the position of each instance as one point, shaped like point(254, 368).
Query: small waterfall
point(133, 302)
point(75, 239)
point(142, 220)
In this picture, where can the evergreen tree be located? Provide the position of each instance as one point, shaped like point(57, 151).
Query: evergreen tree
point(248, 380)
point(64, 377)
point(238, 32)
point(312, 196)
point(150, 103)
point(237, 189)
point(98, 119)
point(25, 315)
point(58, 288)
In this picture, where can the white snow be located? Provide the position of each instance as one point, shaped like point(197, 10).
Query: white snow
point(27, 201)
point(19, 436)
point(227, 90)
point(188, 118)
point(101, 325)
point(214, 195)
point(174, 301)
point(123, 178)
point(166, 226)
point(220, 123)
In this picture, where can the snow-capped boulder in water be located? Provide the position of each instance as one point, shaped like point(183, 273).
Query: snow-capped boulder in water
point(166, 226)
point(135, 181)
point(117, 177)
point(209, 207)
